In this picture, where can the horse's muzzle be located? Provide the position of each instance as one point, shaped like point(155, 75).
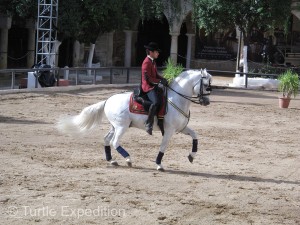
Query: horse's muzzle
point(204, 101)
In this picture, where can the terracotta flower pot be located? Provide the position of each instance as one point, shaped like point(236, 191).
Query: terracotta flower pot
point(284, 102)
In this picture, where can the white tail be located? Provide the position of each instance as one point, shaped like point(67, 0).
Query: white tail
point(85, 121)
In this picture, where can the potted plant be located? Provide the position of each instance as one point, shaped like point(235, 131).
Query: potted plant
point(289, 86)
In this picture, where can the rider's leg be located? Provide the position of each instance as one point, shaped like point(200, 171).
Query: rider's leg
point(152, 110)
point(150, 120)
point(160, 121)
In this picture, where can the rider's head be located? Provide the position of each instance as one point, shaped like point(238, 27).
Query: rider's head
point(152, 50)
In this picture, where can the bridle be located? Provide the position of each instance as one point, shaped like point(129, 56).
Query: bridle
point(200, 96)
point(208, 89)
point(198, 100)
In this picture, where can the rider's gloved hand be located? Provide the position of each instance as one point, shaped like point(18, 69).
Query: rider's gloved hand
point(164, 81)
point(160, 85)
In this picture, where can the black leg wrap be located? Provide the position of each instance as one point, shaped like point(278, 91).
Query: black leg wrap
point(159, 157)
point(195, 145)
point(160, 124)
point(108, 153)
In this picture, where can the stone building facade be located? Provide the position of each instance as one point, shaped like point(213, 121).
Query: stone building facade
point(176, 35)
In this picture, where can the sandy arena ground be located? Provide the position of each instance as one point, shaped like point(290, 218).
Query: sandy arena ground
point(246, 170)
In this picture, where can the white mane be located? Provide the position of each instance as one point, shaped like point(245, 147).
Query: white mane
point(186, 74)
point(189, 74)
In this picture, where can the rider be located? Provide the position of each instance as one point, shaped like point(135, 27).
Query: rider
point(150, 79)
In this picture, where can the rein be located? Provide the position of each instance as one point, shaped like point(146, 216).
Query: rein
point(192, 99)
point(197, 99)
point(179, 110)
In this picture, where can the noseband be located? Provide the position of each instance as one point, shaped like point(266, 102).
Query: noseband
point(200, 96)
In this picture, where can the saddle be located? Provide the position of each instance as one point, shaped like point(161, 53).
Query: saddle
point(140, 104)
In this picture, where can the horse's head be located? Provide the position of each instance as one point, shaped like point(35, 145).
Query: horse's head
point(203, 87)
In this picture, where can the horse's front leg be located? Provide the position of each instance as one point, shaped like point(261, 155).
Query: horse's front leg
point(190, 132)
point(165, 141)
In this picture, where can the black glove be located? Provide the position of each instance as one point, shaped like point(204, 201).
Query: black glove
point(164, 81)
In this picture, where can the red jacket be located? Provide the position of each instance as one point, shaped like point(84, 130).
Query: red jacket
point(150, 77)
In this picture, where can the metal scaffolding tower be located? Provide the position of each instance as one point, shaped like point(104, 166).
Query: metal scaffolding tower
point(46, 32)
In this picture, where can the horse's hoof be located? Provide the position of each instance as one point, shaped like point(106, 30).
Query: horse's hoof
point(190, 158)
point(129, 163)
point(114, 163)
point(160, 168)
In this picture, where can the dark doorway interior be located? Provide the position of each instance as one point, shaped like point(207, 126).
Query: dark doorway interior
point(66, 53)
point(156, 31)
point(17, 47)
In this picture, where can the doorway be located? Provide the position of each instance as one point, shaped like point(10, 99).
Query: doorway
point(153, 31)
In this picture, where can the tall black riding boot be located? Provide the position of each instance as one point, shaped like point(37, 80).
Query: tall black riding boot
point(150, 120)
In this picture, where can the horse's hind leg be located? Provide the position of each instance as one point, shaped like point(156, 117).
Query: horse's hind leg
point(190, 132)
point(107, 140)
point(119, 132)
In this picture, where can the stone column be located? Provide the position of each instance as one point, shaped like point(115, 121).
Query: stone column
point(76, 53)
point(31, 26)
point(81, 54)
point(189, 50)
point(128, 44)
point(110, 48)
point(174, 46)
point(5, 25)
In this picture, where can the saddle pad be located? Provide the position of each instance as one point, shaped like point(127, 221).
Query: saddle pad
point(138, 108)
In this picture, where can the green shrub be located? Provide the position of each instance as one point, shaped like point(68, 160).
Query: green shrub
point(172, 70)
point(288, 83)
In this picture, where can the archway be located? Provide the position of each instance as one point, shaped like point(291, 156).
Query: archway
point(157, 31)
point(66, 53)
point(17, 47)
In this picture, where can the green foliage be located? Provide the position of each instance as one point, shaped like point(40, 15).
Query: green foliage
point(19, 9)
point(149, 9)
point(227, 14)
point(288, 83)
point(85, 20)
point(213, 14)
point(172, 70)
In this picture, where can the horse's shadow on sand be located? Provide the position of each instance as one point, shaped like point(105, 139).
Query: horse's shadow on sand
point(14, 120)
point(210, 175)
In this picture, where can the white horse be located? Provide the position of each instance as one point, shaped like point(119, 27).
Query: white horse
point(116, 110)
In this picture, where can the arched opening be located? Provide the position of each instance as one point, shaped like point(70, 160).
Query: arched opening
point(157, 31)
point(17, 47)
point(66, 53)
